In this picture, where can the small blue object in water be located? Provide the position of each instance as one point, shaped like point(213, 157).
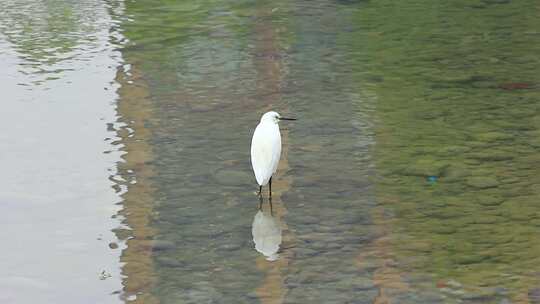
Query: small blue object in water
point(432, 179)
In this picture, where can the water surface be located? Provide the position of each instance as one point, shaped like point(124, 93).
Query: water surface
point(56, 200)
point(410, 176)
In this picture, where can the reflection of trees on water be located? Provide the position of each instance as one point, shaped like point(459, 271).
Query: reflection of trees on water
point(44, 33)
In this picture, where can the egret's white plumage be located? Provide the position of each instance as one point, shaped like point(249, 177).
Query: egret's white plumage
point(266, 148)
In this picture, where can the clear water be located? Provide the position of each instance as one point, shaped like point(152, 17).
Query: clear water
point(411, 175)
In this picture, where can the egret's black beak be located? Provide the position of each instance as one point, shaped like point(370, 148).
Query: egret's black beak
point(285, 118)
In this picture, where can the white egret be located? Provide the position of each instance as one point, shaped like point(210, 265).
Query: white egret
point(266, 148)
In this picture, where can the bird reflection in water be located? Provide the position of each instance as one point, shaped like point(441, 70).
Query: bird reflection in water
point(266, 231)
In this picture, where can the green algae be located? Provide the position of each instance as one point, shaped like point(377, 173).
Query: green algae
point(443, 110)
point(422, 97)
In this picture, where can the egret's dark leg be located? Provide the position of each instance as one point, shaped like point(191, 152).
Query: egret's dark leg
point(270, 186)
point(260, 202)
point(260, 191)
point(270, 201)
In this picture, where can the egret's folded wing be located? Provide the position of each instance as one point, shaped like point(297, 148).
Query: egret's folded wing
point(261, 155)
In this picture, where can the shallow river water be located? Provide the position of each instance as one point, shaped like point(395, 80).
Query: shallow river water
point(410, 176)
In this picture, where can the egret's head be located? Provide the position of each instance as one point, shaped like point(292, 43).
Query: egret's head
point(274, 117)
point(271, 116)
